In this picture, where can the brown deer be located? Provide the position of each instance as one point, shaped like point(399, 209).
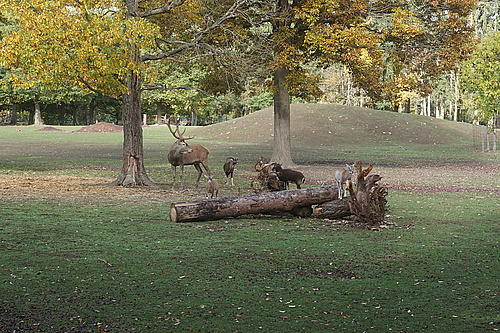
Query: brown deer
point(212, 187)
point(341, 176)
point(181, 154)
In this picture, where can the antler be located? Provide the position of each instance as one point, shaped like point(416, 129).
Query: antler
point(179, 135)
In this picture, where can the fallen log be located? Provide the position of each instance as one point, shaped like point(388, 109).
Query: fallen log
point(336, 209)
point(293, 201)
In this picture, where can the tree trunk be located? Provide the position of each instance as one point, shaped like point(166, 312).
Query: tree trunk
point(13, 114)
point(494, 140)
point(282, 143)
point(407, 106)
point(38, 114)
point(133, 172)
point(298, 202)
point(159, 113)
point(92, 107)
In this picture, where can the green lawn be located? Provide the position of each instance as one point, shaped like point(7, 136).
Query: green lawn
point(88, 264)
point(120, 269)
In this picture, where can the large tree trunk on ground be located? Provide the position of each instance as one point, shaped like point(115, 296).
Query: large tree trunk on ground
point(133, 172)
point(281, 149)
point(368, 201)
point(298, 202)
point(336, 209)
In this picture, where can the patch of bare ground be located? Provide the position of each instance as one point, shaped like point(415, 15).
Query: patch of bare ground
point(101, 127)
point(49, 129)
point(78, 189)
point(480, 179)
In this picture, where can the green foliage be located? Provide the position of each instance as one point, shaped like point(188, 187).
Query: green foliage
point(481, 78)
point(385, 47)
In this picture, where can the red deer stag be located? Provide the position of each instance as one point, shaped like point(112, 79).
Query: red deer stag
point(181, 154)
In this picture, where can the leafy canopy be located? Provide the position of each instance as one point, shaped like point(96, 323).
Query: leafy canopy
point(85, 42)
point(482, 77)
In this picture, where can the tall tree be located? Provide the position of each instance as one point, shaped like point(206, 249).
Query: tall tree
point(321, 31)
point(426, 40)
point(390, 48)
point(107, 45)
point(481, 78)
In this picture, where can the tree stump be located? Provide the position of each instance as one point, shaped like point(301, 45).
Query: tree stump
point(368, 201)
point(269, 181)
point(297, 202)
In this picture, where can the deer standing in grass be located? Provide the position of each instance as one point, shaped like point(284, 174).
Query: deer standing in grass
point(341, 177)
point(229, 168)
point(181, 154)
point(212, 187)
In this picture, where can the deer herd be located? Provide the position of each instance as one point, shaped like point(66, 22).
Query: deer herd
point(181, 153)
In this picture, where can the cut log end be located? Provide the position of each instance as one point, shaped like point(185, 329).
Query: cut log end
point(173, 213)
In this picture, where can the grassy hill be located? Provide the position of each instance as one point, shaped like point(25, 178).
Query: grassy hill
point(324, 133)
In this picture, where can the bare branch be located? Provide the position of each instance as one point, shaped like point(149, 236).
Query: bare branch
point(196, 42)
point(165, 9)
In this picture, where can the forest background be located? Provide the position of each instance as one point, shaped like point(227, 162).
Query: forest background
point(452, 94)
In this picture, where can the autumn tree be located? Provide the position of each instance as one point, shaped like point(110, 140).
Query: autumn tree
point(389, 48)
point(481, 78)
point(107, 46)
point(321, 31)
point(426, 40)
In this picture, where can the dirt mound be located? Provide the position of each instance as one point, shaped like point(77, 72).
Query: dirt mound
point(49, 129)
point(101, 127)
point(338, 127)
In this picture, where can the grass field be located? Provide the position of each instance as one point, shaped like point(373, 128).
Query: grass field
point(77, 256)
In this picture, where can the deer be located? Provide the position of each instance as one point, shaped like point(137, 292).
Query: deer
point(229, 169)
point(212, 186)
point(289, 175)
point(181, 154)
point(341, 177)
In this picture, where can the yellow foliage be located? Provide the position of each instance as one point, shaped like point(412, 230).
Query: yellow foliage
point(406, 24)
point(84, 42)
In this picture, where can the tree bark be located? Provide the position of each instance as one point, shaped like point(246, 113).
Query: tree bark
point(159, 113)
point(282, 143)
point(133, 172)
point(38, 114)
point(336, 209)
point(92, 107)
point(295, 201)
point(13, 114)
